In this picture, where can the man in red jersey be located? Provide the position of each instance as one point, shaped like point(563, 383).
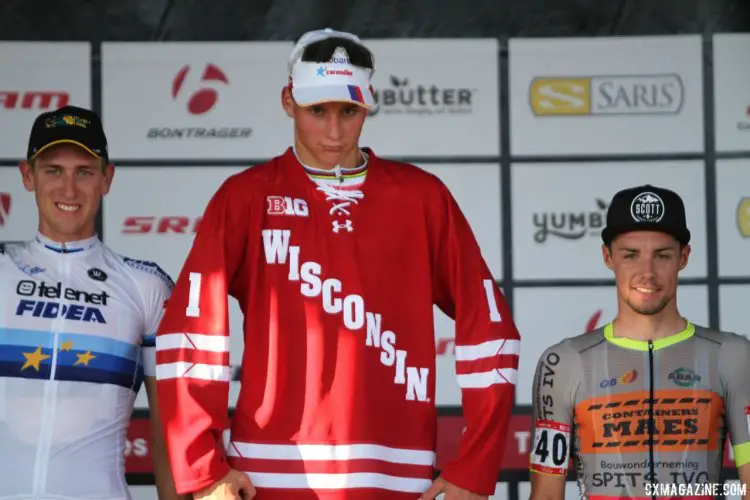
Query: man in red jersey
point(336, 257)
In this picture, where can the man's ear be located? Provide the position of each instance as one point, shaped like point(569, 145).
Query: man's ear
point(27, 175)
point(109, 175)
point(684, 256)
point(287, 102)
point(606, 256)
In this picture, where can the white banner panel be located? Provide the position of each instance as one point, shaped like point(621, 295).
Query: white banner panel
point(476, 188)
point(434, 98)
point(546, 316)
point(609, 95)
point(733, 303)
point(36, 77)
point(559, 211)
point(18, 213)
point(141, 222)
point(195, 100)
point(733, 216)
point(732, 91)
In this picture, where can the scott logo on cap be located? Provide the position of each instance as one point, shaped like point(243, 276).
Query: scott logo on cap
point(647, 207)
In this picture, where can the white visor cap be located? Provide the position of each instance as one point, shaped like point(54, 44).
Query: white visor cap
point(334, 81)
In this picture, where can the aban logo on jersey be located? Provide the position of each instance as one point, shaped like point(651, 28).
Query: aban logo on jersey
point(662, 94)
point(198, 91)
point(51, 309)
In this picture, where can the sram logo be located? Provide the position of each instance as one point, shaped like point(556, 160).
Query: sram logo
point(160, 225)
point(14, 99)
point(286, 205)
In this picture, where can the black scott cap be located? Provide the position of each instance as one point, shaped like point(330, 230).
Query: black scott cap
point(71, 125)
point(646, 208)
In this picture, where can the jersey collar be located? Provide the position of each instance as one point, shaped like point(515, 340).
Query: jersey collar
point(642, 345)
point(48, 245)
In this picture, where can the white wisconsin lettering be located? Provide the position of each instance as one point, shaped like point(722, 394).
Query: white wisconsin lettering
point(312, 285)
point(294, 263)
point(351, 307)
point(276, 245)
point(373, 329)
point(331, 305)
point(416, 383)
point(354, 312)
point(388, 356)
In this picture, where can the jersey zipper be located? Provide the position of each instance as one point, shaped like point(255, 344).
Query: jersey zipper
point(41, 468)
point(651, 422)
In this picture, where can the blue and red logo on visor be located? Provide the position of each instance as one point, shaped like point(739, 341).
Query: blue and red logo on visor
point(356, 93)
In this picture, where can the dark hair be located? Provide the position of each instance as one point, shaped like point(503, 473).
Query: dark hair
point(323, 50)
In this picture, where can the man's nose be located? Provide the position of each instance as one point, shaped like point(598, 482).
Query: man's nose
point(333, 126)
point(69, 185)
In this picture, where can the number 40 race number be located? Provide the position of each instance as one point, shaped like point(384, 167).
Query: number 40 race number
point(551, 447)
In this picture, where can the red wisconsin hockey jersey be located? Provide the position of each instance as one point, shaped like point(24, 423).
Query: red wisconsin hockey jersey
point(338, 369)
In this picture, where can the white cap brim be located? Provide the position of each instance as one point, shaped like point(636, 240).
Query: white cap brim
point(315, 83)
point(308, 96)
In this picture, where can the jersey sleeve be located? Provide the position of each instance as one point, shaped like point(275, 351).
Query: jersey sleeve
point(192, 346)
point(734, 356)
point(486, 350)
point(155, 292)
point(553, 404)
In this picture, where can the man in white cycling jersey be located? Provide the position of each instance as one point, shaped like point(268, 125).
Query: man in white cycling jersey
point(76, 329)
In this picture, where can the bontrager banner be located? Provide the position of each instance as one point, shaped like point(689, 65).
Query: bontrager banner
point(195, 100)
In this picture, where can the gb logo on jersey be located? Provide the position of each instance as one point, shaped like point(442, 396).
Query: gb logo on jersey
point(286, 205)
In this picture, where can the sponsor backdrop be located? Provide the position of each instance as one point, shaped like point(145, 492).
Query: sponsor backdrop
point(532, 136)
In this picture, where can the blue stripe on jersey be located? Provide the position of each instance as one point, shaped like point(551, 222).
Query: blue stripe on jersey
point(93, 375)
point(80, 358)
point(69, 341)
point(17, 337)
point(98, 344)
point(149, 341)
point(13, 370)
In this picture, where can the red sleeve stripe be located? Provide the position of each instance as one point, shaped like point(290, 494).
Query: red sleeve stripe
point(336, 467)
point(483, 380)
point(487, 349)
point(198, 341)
point(486, 364)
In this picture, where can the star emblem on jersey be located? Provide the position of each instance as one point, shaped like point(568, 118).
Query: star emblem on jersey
point(34, 359)
point(84, 359)
point(647, 207)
